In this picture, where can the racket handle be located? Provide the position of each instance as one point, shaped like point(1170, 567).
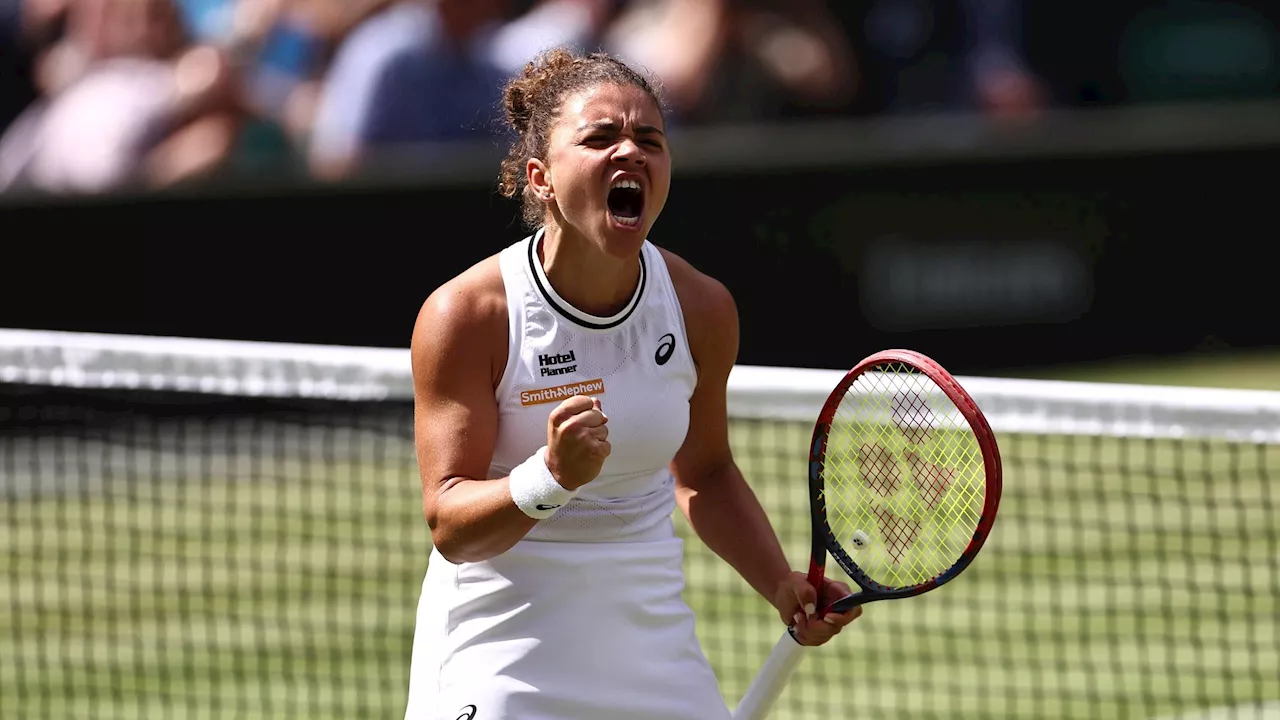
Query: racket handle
point(772, 678)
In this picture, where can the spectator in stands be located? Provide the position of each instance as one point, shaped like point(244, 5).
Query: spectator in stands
point(283, 50)
point(26, 26)
point(126, 100)
point(159, 90)
point(539, 25)
point(414, 73)
point(287, 54)
point(998, 78)
point(430, 71)
point(944, 55)
point(740, 60)
point(338, 131)
point(679, 41)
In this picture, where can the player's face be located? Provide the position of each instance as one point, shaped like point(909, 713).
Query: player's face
point(608, 165)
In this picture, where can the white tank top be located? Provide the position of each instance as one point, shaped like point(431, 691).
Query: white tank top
point(636, 362)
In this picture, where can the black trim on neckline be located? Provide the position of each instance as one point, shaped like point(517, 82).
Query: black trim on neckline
point(573, 314)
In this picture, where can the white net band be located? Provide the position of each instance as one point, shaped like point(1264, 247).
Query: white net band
point(256, 369)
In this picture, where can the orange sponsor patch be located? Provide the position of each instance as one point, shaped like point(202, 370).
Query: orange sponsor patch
point(561, 392)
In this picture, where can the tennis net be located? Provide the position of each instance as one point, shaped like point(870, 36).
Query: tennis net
point(211, 529)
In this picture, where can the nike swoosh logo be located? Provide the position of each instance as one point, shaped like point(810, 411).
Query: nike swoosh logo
point(547, 507)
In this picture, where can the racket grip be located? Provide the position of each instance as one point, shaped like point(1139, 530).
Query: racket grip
point(772, 678)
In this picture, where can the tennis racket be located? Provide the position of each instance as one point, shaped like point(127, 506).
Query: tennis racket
point(904, 484)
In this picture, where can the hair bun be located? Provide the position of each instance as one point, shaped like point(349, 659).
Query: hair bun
point(519, 104)
point(521, 96)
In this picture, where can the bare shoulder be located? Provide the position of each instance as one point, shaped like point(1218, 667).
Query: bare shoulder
point(474, 294)
point(710, 314)
point(466, 315)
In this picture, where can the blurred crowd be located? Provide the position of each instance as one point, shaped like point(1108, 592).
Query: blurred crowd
point(101, 94)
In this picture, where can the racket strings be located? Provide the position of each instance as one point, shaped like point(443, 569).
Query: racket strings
point(904, 477)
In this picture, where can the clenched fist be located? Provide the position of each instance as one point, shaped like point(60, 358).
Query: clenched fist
point(577, 441)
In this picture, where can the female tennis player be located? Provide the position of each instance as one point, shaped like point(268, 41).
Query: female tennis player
point(569, 394)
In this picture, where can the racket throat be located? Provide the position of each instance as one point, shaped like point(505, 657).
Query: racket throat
point(817, 575)
point(817, 578)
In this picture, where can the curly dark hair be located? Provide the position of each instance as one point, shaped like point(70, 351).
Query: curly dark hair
point(532, 101)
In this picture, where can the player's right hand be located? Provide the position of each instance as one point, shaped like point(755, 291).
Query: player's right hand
point(577, 441)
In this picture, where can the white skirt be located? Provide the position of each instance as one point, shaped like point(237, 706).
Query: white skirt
point(561, 631)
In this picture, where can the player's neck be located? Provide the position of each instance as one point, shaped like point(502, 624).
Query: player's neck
point(586, 277)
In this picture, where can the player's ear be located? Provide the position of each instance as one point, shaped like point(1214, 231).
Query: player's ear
point(539, 176)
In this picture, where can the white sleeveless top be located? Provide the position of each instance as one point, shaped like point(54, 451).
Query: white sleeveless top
point(636, 362)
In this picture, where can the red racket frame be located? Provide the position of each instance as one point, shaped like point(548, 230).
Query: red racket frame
point(825, 542)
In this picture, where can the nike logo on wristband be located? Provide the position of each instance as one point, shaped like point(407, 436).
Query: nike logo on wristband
point(546, 507)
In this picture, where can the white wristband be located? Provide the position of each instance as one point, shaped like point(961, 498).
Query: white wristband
point(535, 490)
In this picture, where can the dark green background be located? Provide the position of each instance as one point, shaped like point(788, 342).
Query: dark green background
point(1170, 252)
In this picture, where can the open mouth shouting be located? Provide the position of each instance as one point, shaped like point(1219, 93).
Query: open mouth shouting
point(626, 201)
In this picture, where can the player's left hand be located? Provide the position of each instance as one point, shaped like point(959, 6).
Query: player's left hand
point(797, 604)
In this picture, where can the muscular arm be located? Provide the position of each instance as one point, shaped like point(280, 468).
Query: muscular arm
point(710, 489)
point(458, 349)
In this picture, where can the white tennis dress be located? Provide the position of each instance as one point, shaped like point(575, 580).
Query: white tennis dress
point(583, 619)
